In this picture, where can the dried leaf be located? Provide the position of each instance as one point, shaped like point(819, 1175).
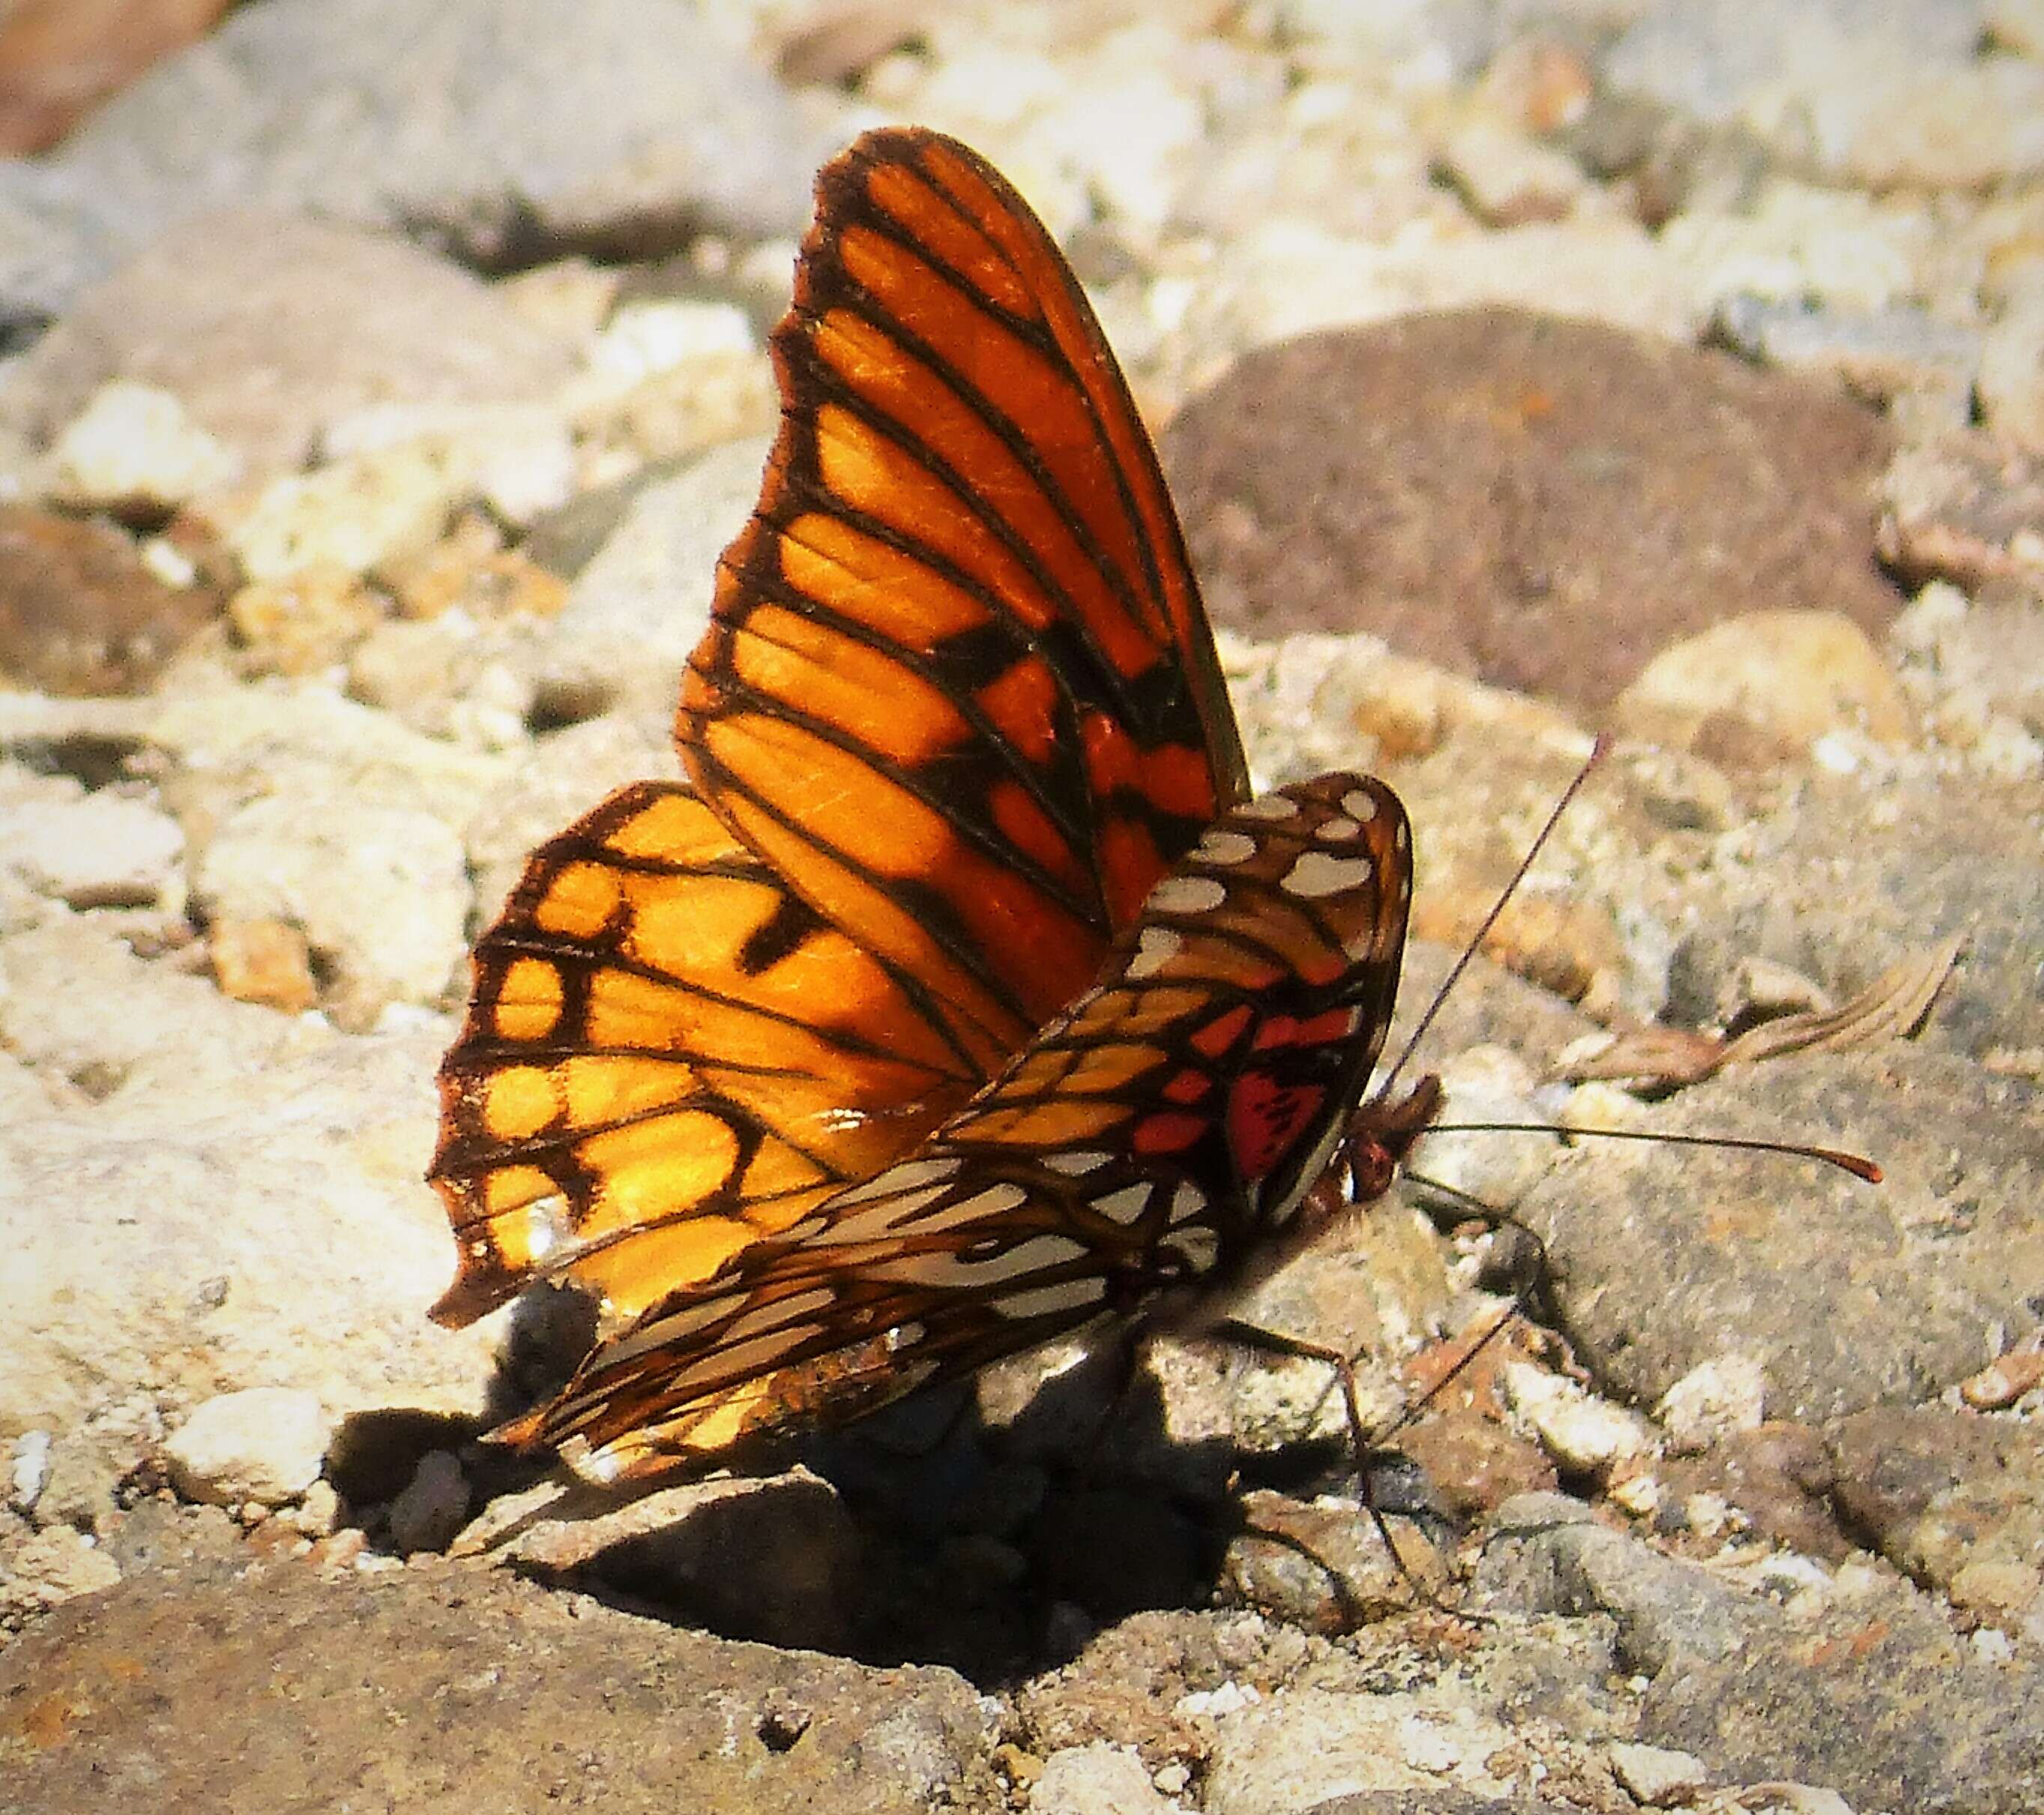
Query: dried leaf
point(1890, 1007)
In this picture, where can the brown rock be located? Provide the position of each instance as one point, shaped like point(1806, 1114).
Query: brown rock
point(60, 58)
point(1541, 503)
point(264, 961)
point(80, 612)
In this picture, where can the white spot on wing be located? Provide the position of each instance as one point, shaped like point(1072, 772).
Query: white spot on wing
point(1124, 1205)
point(1186, 894)
point(1198, 1243)
point(1318, 873)
point(942, 1269)
point(1337, 830)
point(1222, 846)
point(996, 1200)
point(905, 1177)
point(1047, 1301)
point(1077, 1161)
point(1268, 806)
point(1155, 948)
point(1188, 1200)
point(1360, 803)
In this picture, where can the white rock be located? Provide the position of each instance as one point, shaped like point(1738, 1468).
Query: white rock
point(1300, 1748)
point(381, 891)
point(370, 508)
point(237, 1215)
point(1509, 177)
point(133, 444)
point(98, 850)
point(518, 458)
point(29, 1469)
point(1658, 1776)
point(1585, 1436)
point(265, 1444)
point(54, 1565)
point(1794, 677)
point(2010, 383)
point(1097, 1779)
point(1712, 1401)
point(638, 608)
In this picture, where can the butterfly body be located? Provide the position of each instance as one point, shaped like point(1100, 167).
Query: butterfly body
point(962, 998)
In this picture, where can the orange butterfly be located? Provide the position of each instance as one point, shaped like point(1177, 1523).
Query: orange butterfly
point(962, 997)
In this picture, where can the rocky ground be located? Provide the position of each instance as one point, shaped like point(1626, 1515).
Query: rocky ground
point(383, 382)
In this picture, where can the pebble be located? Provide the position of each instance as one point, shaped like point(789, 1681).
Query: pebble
point(53, 1566)
point(102, 850)
point(380, 890)
point(1096, 1780)
point(1713, 1400)
point(28, 1470)
point(134, 449)
point(265, 961)
point(1769, 685)
point(81, 612)
point(263, 1445)
point(1584, 1436)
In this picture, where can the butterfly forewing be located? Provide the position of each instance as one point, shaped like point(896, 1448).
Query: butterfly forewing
point(957, 709)
point(1161, 1132)
point(963, 608)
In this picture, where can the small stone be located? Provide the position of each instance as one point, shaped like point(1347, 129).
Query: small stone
point(518, 460)
point(29, 1470)
point(1508, 178)
point(1897, 351)
point(81, 612)
point(264, 1444)
point(101, 850)
point(433, 1506)
point(56, 1565)
point(318, 1514)
point(1772, 681)
point(1713, 1400)
point(2010, 384)
point(381, 890)
point(352, 514)
point(133, 447)
point(1584, 1436)
point(304, 622)
point(1097, 1779)
point(2004, 1380)
point(265, 961)
point(1657, 1775)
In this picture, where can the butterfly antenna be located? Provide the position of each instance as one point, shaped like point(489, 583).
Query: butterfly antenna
point(1598, 751)
point(1859, 1167)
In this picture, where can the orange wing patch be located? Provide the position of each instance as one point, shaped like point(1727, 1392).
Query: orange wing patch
point(667, 1057)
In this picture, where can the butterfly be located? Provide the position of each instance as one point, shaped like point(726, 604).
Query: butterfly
point(961, 997)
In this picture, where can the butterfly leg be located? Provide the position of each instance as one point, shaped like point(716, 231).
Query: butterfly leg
point(1362, 1444)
